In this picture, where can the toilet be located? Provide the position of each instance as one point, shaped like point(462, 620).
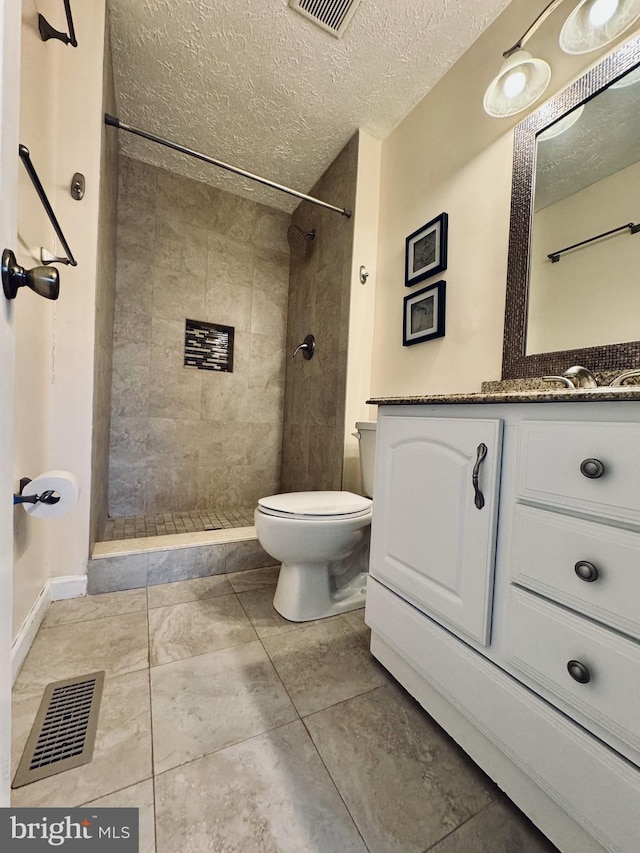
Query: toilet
point(322, 540)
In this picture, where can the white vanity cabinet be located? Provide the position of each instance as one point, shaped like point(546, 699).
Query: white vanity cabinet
point(517, 625)
point(435, 511)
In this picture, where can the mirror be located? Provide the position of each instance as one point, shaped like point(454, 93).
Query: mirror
point(583, 266)
point(574, 248)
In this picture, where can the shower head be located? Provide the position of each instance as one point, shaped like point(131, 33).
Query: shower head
point(298, 239)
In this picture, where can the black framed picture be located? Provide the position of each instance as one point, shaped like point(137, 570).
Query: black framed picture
point(424, 314)
point(426, 250)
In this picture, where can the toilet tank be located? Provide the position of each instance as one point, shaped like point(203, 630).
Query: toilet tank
point(367, 441)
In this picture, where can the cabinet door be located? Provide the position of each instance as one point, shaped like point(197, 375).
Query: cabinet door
point(430, 542)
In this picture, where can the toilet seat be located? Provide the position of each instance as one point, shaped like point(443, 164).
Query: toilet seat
point(315, 505)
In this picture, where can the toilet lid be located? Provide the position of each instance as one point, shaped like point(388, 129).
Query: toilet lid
point(315, 504)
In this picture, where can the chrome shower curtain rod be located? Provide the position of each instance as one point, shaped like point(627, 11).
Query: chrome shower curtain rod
point(112, 121)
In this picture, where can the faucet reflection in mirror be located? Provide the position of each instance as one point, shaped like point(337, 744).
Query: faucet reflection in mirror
point(523, 79)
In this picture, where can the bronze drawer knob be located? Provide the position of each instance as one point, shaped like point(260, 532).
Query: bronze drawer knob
point(586, 571)
point(578, 671)
point(592, 468)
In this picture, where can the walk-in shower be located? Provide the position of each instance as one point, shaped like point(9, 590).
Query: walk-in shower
point(195, 441)
point(192, 449)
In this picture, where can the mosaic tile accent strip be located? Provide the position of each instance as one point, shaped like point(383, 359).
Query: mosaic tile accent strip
point(165, 523)
point(208, 346)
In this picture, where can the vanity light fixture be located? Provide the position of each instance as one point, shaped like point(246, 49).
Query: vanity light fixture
point(520, 82)
point(596, 23)
point(523, 78)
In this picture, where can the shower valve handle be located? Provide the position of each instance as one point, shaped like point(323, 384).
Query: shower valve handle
point(308, 347)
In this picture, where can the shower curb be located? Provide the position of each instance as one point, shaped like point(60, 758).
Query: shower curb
point(132, 564)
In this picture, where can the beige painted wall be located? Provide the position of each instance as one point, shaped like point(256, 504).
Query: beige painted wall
point(60, 122)
point(447, 155)
point(591, 296)
point(33, 316)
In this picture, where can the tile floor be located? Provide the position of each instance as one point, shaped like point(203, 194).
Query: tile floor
point(167, 523)
point(235, 731)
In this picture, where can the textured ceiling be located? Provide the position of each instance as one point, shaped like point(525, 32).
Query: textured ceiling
point(255, 84)
point(603, 141)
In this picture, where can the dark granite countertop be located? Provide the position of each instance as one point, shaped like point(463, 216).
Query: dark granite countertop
point(550, 395)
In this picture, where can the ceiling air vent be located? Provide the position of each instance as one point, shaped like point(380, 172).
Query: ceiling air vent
point(332, 15)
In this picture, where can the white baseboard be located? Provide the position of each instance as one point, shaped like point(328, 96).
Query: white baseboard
point(55, 589)
point(69, 586)
point(29, 628)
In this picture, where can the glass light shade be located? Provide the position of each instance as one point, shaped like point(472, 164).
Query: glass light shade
point(521, 81)
point(561, 126)
point(601, 11)
point(595, 23)
point(514, 83)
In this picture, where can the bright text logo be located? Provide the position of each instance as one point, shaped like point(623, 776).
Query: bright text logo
point(72, 830)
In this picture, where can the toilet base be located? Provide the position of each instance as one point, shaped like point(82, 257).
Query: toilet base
point(304, 593)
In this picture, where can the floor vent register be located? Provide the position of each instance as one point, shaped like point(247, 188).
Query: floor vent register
point(64, 731)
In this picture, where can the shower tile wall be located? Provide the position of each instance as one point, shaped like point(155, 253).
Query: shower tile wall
point(183, 438)
point(105, 299)
point(319, 293)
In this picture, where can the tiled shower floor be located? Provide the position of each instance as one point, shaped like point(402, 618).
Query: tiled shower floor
point(141, 526)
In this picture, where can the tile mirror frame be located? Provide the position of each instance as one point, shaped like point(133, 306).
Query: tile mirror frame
point(515, 363)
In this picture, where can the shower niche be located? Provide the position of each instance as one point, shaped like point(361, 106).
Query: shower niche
point(208, 346)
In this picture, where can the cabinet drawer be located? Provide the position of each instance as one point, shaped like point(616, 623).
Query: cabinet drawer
point(543, 638)
point(550, 456)
point(547, 547)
